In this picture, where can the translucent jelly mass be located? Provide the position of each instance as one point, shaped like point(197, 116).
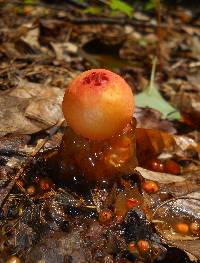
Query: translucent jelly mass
point(98, 160)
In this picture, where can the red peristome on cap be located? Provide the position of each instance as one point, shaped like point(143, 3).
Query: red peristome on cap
point(98, 104)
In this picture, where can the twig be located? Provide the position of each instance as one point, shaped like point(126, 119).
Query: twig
point(77, 3)
point(50, 6)
point(11, 152)
point(26, 163)
point(108, 20)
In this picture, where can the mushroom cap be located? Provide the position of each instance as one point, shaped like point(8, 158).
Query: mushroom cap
point(97, 104)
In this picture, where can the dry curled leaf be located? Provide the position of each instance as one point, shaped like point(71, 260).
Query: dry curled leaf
point(12, 118)
point(30, 108)
point(159, 177)
point(188, 101)
point(46, 111)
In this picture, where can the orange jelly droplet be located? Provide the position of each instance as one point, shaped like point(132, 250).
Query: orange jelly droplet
point(182, 228)
point(143, 246)
point(132, 202)
point(105, 216)
point(31, 190)
point(172, 167)
point(132, 247)
point(150, 187)
point(45, 184)
point(155, 165)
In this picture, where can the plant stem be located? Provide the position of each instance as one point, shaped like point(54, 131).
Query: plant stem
point(159, 34)
point(152, 79)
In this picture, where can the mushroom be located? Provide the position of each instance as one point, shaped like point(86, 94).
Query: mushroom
point(99, 142)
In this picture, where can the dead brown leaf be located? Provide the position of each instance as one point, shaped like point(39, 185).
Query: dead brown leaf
point(163, 178)
point(29, 108)
point(13, 119)
point(151, 119)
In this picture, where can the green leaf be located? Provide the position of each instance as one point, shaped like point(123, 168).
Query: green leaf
point(119, 5)
point(149, 5)
point(152, 98)
point(29, 2)
point(93, 10)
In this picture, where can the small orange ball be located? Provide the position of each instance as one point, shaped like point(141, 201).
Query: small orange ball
point(105, 216)
point(172, 167)
point(45, 184)
point(195, 228)
point(143, 246)
point(132, 248)
point(182, 228)
point(98, 104)
point(132, 202)
point(150, 187)
point(31, 190)
point(155, 165)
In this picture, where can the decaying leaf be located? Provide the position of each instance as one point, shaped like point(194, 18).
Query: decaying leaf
point(189, 104)
point(46, 111)
point(12, 117)
point(63, 50)
point(30, 42)
point(151, 119)
point(159, 177)
point(191, 246)
point(30, 108)
point(59, 246)
point(185, 142)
